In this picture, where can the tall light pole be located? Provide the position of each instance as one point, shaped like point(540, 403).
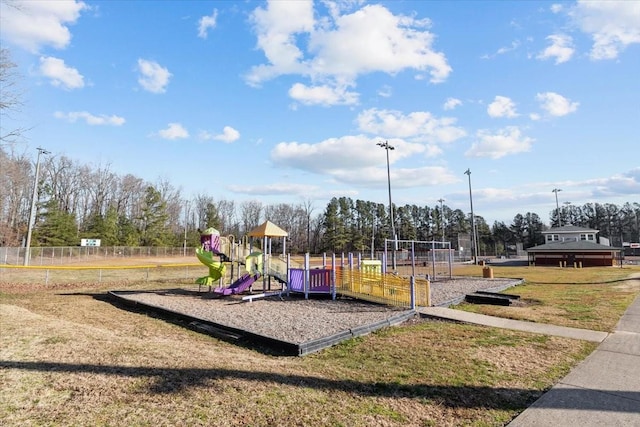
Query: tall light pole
point(474, 237)
point(566, 211)
point(32, 213)
point(441, 217)
point(388, 147)
point(557, 190)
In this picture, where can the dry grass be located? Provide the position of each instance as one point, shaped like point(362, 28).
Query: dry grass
point(69, 357)
point(588, 298)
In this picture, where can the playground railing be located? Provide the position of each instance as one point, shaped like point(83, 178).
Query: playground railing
point(381, 288)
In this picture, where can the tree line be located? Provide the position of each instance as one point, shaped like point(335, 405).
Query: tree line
point(75, 201)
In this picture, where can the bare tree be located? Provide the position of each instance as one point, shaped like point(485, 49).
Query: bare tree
point(10, 97)
point(227, 214)
point(308, 208)
point(200, 205)
point(15, 195)
point(250, 214)
point(173, 198)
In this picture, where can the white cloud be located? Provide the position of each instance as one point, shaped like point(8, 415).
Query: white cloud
point(556, 8)
point(279, 188)
point(561, 48)
point(501, 51)
point(228, 135)
point(277, 26)
point(502, 106)
point(625, 184)
point(357, 160)
point(35, 24)
point(556, 105)
point(419, 125)
point(207, 22)
point(90, 119)
point(613, 25)
point(341, 48)
point(153, 77)
point(499, 144)
point(174, 131)
point(322, 95)
point(60, 75)
point(385, 91)
point(451, 103)
point(346, 153)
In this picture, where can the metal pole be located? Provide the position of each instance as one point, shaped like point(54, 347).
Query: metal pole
point(441, 218)
point(474, 237)
point(556, 190)
point(32, 214)
point(373, 239)
point(388, 147)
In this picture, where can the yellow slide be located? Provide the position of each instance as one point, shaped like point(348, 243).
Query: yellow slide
point(216, 268)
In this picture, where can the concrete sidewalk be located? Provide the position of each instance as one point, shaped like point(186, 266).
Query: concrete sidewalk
point(603, 390)
point(518, 325)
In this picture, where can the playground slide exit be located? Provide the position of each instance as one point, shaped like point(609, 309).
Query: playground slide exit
point(216, 267)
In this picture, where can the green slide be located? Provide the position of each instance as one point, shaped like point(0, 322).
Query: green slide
point(216, 268)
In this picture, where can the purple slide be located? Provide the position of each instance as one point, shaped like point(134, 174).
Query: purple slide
point(239, 286)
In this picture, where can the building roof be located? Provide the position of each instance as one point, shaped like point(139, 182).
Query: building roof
point(268, 229)
point(569, 229)
point(573, 246)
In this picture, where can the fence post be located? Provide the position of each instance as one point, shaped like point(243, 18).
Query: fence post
point(334, 269)
point(288, 285)
point(307, 273)
point(412, 289)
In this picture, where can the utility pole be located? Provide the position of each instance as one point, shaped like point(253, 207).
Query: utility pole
point(474, 237)
point(32, 213)
point(557, 190)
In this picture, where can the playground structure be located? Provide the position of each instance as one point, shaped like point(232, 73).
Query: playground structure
point(349, 275)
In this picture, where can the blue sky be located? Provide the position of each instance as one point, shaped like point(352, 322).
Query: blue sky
point(285, 101)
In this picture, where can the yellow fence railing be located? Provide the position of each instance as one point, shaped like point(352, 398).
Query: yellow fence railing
point(382, 288)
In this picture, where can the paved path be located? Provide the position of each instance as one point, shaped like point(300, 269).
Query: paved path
point(498, 322)
point(603, 390)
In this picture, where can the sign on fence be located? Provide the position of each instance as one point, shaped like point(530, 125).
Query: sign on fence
point(89, 242)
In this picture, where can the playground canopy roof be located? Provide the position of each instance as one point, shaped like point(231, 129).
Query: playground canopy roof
point(268, 229)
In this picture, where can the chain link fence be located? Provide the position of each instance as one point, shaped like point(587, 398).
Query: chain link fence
point(71, 254)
